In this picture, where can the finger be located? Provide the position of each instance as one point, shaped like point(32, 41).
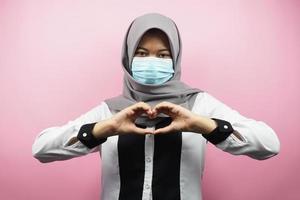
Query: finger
point(164, 105)
point(142, 131)
point(167, 129)
point(139, 108)
point(166, 108)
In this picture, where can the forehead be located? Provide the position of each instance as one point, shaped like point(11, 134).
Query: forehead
point(154, 36)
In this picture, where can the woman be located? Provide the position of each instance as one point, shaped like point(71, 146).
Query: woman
point(152, 138)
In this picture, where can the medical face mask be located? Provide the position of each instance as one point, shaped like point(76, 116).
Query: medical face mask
point(152, 70)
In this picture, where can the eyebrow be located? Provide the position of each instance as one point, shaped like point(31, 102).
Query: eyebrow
point(147, 49)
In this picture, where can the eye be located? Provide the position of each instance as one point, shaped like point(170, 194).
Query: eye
point(140, 53)
point(164, 55)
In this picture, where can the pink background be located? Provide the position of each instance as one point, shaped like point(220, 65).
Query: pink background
point(60, 58)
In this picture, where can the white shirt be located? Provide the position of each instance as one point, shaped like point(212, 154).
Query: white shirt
point(259, 141)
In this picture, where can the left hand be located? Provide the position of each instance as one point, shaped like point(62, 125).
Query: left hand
point(182, 118)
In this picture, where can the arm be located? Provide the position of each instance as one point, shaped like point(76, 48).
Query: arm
point(60, 142)
point(250, 137)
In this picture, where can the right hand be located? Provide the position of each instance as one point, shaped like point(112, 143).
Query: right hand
point(124, 120)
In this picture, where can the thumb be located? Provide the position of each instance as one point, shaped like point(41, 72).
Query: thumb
point(164, 130)
point(142, 131)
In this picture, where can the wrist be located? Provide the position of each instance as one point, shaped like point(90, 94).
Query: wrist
point(86, 136)
point(104, 128)
point(202, 125)
point(219, 134)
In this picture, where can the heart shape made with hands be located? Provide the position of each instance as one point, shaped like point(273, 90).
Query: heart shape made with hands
point(180, 115)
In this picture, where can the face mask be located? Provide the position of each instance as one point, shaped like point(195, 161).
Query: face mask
point(152, 70)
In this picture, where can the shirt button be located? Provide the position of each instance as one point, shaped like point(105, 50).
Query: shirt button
point(148, 159)
point(225, 126)
point(147, 186)
point(84, 134)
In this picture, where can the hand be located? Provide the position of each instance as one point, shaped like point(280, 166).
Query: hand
point(124, 120)
point(182, 118)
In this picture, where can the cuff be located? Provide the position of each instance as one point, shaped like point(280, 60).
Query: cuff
point(220, 133)
point(86, 137)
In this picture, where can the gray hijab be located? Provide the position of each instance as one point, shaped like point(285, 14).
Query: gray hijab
point(173, 91)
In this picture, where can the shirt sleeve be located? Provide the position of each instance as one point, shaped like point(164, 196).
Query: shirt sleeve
point(253, 138)
point(57, 142)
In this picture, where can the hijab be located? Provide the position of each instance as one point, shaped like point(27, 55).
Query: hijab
point(173, 90)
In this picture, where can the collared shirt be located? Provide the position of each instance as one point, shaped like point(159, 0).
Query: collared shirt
point(168, 166)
